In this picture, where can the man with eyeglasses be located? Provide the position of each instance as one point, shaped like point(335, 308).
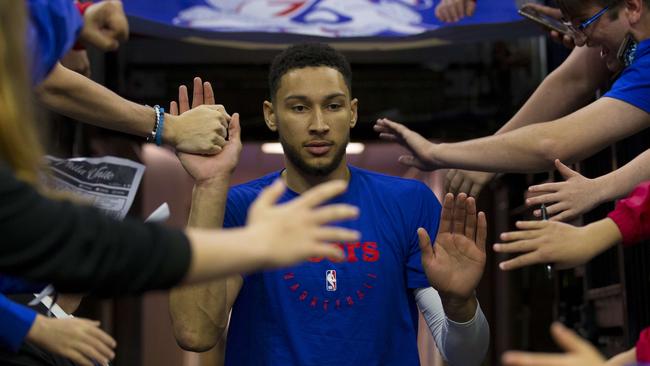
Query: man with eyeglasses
point(584, 23)
point(620, 113)
point(579, 30)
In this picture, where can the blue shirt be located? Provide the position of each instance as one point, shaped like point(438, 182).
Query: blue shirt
point(13, 285)
point(16, 319)
point(360, 311)
point(633, 86)
point(52, 31)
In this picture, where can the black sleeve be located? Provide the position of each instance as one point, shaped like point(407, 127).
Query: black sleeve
point(79, 249)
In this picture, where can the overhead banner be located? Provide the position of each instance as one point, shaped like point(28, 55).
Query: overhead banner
point(282, 20)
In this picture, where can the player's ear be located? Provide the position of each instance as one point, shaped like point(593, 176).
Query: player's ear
point(354, 106)
point(269, 116)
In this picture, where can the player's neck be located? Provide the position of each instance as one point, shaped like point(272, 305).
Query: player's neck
point(299, 182)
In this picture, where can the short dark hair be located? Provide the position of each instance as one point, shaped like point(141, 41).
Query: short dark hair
point(304, 55)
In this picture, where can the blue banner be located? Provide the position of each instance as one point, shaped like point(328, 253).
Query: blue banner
point(283, 20)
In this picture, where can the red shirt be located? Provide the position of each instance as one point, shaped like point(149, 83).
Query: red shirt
point(643, 347)
point(632, 215)
point(82, 7)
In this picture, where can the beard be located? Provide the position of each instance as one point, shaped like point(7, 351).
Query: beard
point(318, 170)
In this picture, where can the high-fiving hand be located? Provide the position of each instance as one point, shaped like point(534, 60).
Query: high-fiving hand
point(454, 265)
point(203, 168)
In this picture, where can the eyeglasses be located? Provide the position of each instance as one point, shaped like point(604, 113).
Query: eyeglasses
point(579, 30)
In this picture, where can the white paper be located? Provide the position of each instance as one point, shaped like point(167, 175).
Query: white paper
point(55, 309)
point(159, 215)
point(107, 183)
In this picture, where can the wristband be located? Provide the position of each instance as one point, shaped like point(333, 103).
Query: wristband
point(156, 134)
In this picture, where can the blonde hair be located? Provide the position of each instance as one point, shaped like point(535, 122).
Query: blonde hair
point(20, 147)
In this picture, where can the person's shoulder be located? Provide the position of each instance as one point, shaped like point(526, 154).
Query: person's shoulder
point(640, 64)
point(642, 53)
point(250, 190)
point(390, 183)
point(406, 201)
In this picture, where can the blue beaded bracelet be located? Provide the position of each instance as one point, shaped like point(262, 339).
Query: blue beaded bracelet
point(154, 131)
point(160, 122)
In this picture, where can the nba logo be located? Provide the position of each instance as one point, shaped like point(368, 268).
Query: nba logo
point(330, 280)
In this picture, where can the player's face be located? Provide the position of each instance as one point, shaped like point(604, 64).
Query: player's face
point(313, 113)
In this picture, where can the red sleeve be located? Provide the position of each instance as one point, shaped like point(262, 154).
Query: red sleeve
point(643, 347)
point(632, 215)
point(83, 6)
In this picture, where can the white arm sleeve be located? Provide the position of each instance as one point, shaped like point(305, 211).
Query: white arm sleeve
point(461, 344)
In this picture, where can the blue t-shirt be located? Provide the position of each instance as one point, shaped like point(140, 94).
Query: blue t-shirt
point(14, 285)
point(53, 29)
point(633, 86)
point(16, 320)
point(357, 312)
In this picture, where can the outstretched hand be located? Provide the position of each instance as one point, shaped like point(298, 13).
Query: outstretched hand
point(451, 11)
point(562, 244)
point(455, 264)
point(202, 167)
point(80, 340)
point(565, 200)
point(105, 25)
point(579, 352)
point(467, 181)
point(421, 157)
point(297, 230)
